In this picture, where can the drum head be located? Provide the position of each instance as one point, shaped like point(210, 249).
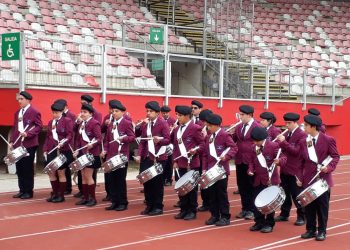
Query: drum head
point(267, 195)
point(184, 179)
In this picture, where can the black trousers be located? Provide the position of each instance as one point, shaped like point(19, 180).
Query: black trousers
point(259, 218)
point(117, 185)
point(68, 174)
point(188, 202)
point(25, 172)
point(218, 199)
point(154, 188)
point(245, 187)
point(204, 192)
point(318, 208)
point(168, 169)
point(288, 183)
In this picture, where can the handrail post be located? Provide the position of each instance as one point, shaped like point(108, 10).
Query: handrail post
point(221, 85)
point(267, 87)
point(104, 74)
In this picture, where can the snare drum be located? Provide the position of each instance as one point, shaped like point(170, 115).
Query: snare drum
point(15, 155)
point(117, 161)
point(312, 192)
point(55, 164)
point(150, 173)
point(187, 182)
point(270, 199)
point(82, 162)
point(211, 176)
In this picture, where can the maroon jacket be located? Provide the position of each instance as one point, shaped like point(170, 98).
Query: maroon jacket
point(200, 123)
point(92, 130)
point(192, 137)
point(325, 146)
point(171, 121)
point(222, 141)
point(69, 114)
point(161, 129)
point(32, 118)
point(261, 176)
point(273, 132)
point(124, 128)
point(64, 129)
point(97, 116)
point(104, 125)
point(291, 149)
point(244, 143)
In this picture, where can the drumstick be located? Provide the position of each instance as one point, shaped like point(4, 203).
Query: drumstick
point(296, 177)
point(5, 140)
point(186, 153)
point(93, 141)
point(233, 126)
point(71, 148)
point(177, 172)
point(149, 138)
point(121, 137)
point(60, 142)
point(280, 134)
point(318, 172)
point(20, 135)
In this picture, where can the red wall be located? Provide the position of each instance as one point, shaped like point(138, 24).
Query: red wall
point(338, 122)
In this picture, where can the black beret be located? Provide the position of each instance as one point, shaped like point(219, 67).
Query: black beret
point(87, 98)
point(204, 113)
point(258, 134)
point(87, 107)
point(197, 103)
point(291, 117)
point(183, 110)
point(314, 111)
point(115, 104)
point(246, 109)
point(313, 120)
point(26, 95)
point(165, 108)
point(112, 102)
point(213, 119)
point(267, 115)
point(62, 101)
point(57, 106)
point(153, 105)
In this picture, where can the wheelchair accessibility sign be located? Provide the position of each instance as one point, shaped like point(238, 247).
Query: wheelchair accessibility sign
point(10, 46)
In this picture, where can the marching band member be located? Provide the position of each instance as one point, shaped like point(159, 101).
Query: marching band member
point(59, 128)
point(293, 168)
point(315, 150)
point(196, 107)
point(242, 136)
point(185, 138)
point(120, 133)
point(89, 99)
point(168, 170)
point(89, 131)
point(313, 111)
point(152, 151)
point(267, 121)
point(215, 144)
point(66, 111)
point(26, 129)
point(265, 152)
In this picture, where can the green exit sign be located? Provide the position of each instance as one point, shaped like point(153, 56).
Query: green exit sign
point(10, 46)
point(156, 35)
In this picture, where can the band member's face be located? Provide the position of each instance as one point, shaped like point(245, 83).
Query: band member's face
point(212, 128)
point(195, 110)
point(23, 102)
point(309, 129)
point(165, 115)
point(151, 114)
point(56, 114)
point(245, 118)
point(182, 119)
point(110, 111)
point(291, 125)
point(84, 114)
point(265, 123)
point(117, 114)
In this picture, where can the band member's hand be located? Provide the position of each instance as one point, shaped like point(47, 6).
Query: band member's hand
point(281, 138)
point(78, 120)
point(276, 161)
point(156, 139)
point(222, 158)
point(107, 122)
point(175, 165)
point(137, 159)
point(89, 146)
point(103, 154)
point(24, 134)
point(324, 169)
point(11, 145)
point(232, 130)
point(75, 155)
point(299, 183)
point(45, 156)
point(193, 151)
point(250, 173)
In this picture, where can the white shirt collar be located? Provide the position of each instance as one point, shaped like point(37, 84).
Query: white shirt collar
point(118, 121)
point(25, 108)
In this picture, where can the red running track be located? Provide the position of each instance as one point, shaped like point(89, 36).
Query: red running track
point(37, 224)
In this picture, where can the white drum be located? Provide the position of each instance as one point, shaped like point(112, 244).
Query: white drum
point(82, 162)
point(15, 155)
point(270, 199)
point(312, 192)
point(114, 163)
point(211, 176)
point(55, 164)
point(187, 182)
point(150, 173)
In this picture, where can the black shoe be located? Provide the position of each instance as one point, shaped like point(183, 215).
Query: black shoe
point(111, 207)
point(58, 199)
point(106, 198)
point(190, 216)
point(177, 204)
point(266, 229)
point(211, 221)
point(308, 235)
point(91, 203)
point(156, 211)
point(256, 227)
point(78, 195)
point(241, 215)
point(222, 222)
point(26, 196)
point(180, 215)
point(146, 211)
point(236, 192)
point(203, 208)
point(18, 195)
point(321, 236)
point(299, 222)
point(249, 215)
point(281, 218)
point(67, 192)
point(121, 208)
point(81, 202)
point(51, 197)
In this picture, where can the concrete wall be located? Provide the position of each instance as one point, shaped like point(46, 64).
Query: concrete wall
point(186, 78)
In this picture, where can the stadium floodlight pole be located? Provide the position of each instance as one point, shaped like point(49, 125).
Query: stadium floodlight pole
point(267, 87)
point(22, 63)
